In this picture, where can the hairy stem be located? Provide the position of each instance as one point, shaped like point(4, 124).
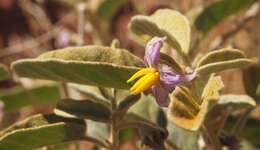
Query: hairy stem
point(65, 90)
point(211, 137)
point(113, 131)
point(114, 137)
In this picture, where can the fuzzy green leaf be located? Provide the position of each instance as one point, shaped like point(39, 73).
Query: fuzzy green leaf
point(150, 122)
point(236, 101)
point(224, 54)
point(131, 120)
point(188, 111)
point(3, 72)
point(183, 139)
point(19, 97)
point(125, 104)
point(152, 111)
point(98, 130)
point(95, 53)
point(90, 65)
point(220, 66)
point(83, 109)
point(91, 92)
point(222, 59)
point(41, 130)
point(185, 110)
point(218, 11)
point(212, 88)
point(164, 22)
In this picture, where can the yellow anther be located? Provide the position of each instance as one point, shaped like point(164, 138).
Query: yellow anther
point(141, 73)
point(140, 81)
point(146, 82)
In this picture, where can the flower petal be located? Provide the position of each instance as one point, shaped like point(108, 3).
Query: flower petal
point(161, 95)
point(152, 51)
point(170, 80)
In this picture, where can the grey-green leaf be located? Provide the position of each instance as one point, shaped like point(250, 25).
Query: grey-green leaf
point(224, 54)
point(220, 66)
point(125, 104)
point(90, 65)
point(93, 53)
point(222, 59)
point(131, 120)
point(17, 98)
point(185, 110)
point(236, 101)
point(83, 109)
point(98, 130)
point(147, 108)
point(164, 22)
point(41, 130)
point(183, 139)
point(91, 92)
point(218, 11)
point(3, 72)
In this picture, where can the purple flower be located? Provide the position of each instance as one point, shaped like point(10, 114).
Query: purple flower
point(161, 81)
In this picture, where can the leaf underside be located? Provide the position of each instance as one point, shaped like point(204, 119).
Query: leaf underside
point(164, 22)
point(222, 59)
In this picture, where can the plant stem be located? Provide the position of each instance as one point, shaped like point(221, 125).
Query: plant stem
point(211, 137)
point(113, 136)
point(65, 90)
point(114, 131)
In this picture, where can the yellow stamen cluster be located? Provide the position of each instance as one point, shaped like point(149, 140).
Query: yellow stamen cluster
point(148, 78)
